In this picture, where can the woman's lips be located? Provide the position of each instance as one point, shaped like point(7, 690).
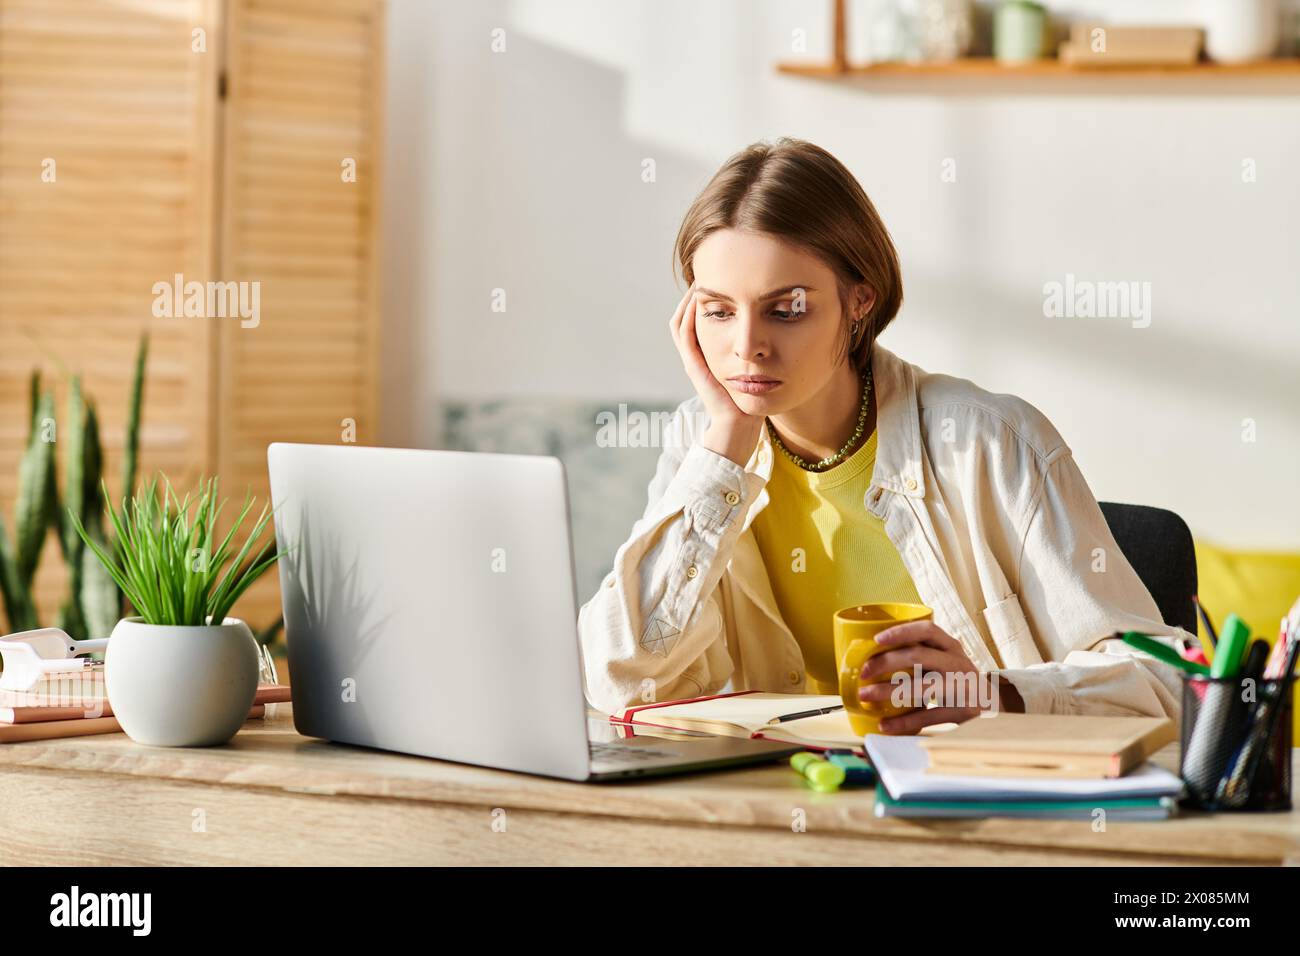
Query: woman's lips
point(753, 388)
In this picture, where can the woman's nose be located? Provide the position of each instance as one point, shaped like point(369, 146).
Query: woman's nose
point(751, 339)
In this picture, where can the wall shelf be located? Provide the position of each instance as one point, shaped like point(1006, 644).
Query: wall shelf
point(977, 76)
point(981, 74)
point(986, 67)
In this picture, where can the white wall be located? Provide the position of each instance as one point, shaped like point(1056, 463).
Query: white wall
point(522, 170)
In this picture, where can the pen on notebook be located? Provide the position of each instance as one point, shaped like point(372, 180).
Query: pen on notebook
point(806, 713)
point(1163, 652)
point(1209, 640)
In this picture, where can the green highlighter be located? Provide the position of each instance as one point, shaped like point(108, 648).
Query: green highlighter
point(1163, 652)
point(821, 775)
point(1233, 638)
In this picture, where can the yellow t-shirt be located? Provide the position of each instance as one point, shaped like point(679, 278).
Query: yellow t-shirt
point(824, 550)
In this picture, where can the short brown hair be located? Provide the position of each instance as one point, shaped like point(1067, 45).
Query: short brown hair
point(802, 194)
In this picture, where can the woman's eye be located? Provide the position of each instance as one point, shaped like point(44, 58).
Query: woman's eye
point(785, 315)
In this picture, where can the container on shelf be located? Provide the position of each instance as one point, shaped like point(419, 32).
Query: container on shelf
point(1019, 29)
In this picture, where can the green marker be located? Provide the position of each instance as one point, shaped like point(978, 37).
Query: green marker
point(821, 775)
point(1160, 651)
point(1233, 637)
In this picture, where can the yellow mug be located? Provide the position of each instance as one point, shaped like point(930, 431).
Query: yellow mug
point(855, 629)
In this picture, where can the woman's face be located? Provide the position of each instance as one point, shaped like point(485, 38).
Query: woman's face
point(766, 308)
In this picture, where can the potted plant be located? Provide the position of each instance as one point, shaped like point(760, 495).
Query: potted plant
point(181, 673)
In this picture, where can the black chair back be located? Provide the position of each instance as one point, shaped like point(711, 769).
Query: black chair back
point(1158, 544)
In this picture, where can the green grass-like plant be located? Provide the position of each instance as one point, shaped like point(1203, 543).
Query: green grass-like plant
point(168, 561)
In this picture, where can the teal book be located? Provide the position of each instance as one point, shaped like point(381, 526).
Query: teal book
point(1137, 808)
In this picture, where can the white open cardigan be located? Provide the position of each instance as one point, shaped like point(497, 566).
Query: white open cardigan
point(988, 510)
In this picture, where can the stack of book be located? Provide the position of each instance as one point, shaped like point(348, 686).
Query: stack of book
point(1028, 765)
point(75, 704)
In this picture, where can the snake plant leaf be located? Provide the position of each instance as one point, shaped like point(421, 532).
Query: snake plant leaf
point(69, 619)
point(73, 441)
point(31, 510)
point(19, 607)
point(131, 449)
point(91, 476)
point(101, 601)
point(53, 514)
point(34, 397)
point(93, 467)
point(111, 563)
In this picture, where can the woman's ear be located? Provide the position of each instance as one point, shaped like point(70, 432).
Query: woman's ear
point(864, 297)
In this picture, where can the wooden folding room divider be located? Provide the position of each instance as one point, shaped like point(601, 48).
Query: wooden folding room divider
point(231, 141)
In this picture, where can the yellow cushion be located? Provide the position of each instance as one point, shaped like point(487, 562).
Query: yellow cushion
point(1260, 586)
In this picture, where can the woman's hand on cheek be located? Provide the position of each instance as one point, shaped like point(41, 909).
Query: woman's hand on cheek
point(949, 679)
point(722, 408)
point(731, 433)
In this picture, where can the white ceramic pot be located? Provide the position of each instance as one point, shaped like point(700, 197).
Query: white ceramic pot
point(1237, 31)
point(174, 686)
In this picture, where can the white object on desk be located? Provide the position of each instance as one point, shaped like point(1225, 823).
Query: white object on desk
point(29, 655)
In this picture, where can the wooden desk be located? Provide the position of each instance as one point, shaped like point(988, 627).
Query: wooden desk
point(272, 796)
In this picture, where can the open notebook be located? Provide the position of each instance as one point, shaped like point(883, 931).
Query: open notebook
point(753, 714)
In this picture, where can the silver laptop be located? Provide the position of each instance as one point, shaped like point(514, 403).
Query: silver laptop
point(430, 609)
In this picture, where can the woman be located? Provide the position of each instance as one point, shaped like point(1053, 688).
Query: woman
point(814, 470)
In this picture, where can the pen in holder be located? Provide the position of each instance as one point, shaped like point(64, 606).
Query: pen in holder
point(1236, 743)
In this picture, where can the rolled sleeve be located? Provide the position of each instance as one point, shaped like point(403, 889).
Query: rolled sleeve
point(657, 620)
point(714, 493)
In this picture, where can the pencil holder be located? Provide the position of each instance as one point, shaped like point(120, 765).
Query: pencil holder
point(1236, 743)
